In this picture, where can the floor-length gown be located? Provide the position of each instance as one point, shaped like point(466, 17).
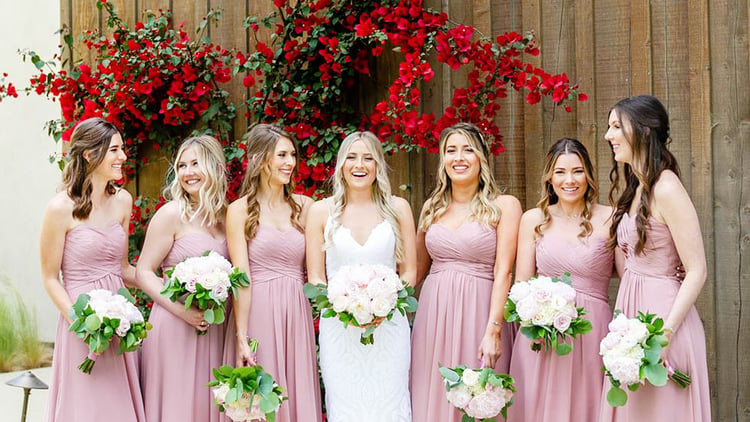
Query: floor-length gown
point(649, 284)
point(92, 259)
point(281, 320)
point(554, 388)
point(364, 383)
point(176, 363)
point(454, 307)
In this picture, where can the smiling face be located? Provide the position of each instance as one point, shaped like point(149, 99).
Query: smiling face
point(360, 167)
point(460, 160)
point(189, 171)
point(618, 135)
point(110, 168)
point(280, 166)
point(569, 179)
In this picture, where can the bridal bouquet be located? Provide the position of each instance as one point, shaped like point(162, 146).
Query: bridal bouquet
point(364, 296)
point(478, 393)
point(100, 315)
point(631, 352)
point(204, 281)
point(547, 312)
point(247, 393)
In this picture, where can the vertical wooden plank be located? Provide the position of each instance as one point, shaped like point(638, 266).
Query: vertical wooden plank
point(612, 24)
point(640, 46)
point(152, 5)
point(126, 10)
point(424, 164)
point(670, 71)
point(85, 17)
point(66, 23)
point(558, 51)
point(701, 169)
point(730, 103)
point(534, 115)
point(231, 33)
point(585, 112)
point(189, 14)
point(510, 164)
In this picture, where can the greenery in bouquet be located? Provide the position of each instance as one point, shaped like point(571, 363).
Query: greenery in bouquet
point(631, 352)
point(100, 315)
point(363, 296)
point(247, 392)
point(480, 394)
point(546, 310)
point(204, 282)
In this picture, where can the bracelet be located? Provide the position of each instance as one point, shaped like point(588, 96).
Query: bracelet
point(242, 336)
point(495, 323)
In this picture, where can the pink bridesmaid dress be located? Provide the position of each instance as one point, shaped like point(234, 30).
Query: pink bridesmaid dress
point(92, 259)
point(176, 363)
point(649, 285)
point(561, 388)
point(281, 320)
point(451, 319)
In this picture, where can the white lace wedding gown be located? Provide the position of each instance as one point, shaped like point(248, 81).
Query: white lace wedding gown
point(364, 383)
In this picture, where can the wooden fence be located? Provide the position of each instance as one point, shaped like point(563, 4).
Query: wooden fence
point(692, 54)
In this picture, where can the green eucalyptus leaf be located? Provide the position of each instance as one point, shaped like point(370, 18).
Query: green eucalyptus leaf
point(617, 397)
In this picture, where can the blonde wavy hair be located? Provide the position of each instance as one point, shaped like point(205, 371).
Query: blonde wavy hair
point(93, 135)
point(483, 208)
point(381, 188)
point(549, 197)
point(212, 202)
point(261, 144)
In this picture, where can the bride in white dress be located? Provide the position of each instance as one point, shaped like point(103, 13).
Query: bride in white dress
point(362, 223)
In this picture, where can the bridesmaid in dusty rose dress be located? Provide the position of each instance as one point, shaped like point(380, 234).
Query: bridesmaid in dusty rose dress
point(84, 236)
point(656, 226)
point(266, 240)
point(176, 363)
point(467, 240)
point(567, 232)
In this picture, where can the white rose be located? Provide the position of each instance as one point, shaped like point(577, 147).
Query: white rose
point(381, 306)
point(470, 377)
point(341, 303)
point(379, 288)
point(527, 308)
point(619, 324)
point(519, 291)
point(122, 328)
point(220, 392)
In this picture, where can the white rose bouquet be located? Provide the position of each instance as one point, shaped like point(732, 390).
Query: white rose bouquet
point(247, 393)
point(204, 281)
point(480, 394)
point(364, 296)
point(546, 310)
point(631, 353)
point(100, 315)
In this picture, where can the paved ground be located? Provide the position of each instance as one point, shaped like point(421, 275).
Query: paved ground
point(11, 398)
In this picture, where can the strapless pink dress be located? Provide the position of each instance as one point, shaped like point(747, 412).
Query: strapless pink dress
point(92, 259)
point(649, 285)
point(554, 388)
point(454, 306)
point(176, 363)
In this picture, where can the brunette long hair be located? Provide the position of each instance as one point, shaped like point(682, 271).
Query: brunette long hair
point(93, 136)
point(645, 123)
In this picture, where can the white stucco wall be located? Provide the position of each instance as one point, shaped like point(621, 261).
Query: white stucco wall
point(27, 179)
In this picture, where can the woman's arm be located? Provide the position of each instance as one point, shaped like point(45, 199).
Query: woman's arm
point(673, 206)
point(507, 242)
point(58, 219)
point(314, 240)
point(237, 243)
point(125, 205)
point(159, 239)
point(424, 261)
point(526, 255)
point(408, 267)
